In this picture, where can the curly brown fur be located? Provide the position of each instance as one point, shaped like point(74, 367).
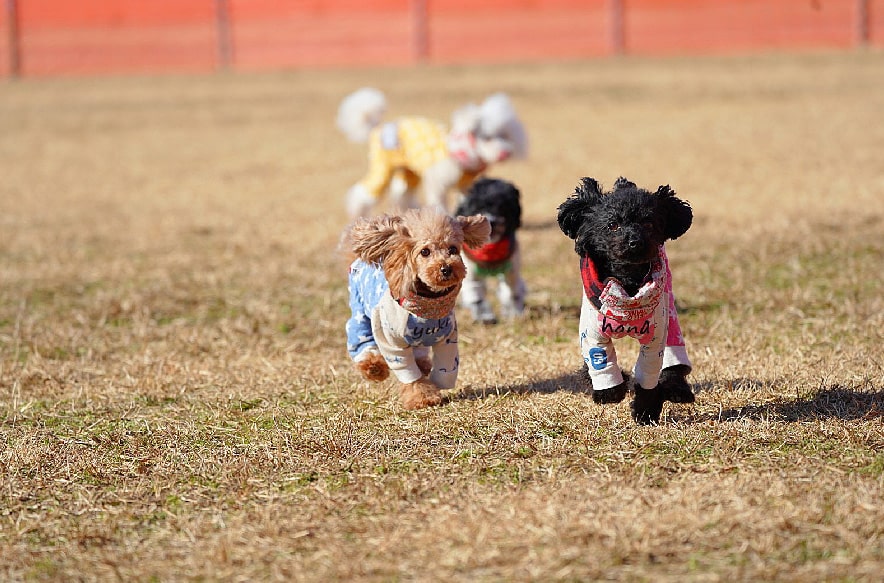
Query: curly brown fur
point(425, 365)
point(373, 368)
point(416, 247)
point(419, 252)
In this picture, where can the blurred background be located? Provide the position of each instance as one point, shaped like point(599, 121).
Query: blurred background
point(61, 37)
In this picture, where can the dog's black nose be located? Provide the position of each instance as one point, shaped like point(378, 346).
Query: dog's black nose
point(634, 240)
point(446, 270)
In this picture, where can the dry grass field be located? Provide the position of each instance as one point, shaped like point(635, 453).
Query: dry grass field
point(176, 402)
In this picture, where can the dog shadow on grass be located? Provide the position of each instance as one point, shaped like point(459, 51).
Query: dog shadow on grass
point(573, 382)
point(833, 402)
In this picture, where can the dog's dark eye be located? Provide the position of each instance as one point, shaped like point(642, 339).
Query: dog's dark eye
point(453, 250)
point(425, 252)
point(613, 226)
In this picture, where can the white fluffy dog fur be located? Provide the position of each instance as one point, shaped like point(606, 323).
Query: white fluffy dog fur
point(412, 152)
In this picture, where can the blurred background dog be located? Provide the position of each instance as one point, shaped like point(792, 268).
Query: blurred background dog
point(416, 152)
point(500, 258)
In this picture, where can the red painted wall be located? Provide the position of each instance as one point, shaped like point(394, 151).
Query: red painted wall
point(103, 36)
point(688, 26)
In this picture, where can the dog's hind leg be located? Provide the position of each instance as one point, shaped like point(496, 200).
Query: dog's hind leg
point(360, 201)
point(437, 180)
point(402, 190)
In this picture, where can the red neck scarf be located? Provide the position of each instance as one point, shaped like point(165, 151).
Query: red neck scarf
point(492, 254)
point(610, 297)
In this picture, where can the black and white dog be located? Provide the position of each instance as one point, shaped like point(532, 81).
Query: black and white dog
point(500, 258)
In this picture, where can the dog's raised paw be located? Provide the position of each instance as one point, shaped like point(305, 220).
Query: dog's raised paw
point(674, 387)
point(420, 395)
point(373, 367)
point(647, 405)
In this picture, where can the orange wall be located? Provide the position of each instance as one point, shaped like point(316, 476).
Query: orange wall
point(102, 36)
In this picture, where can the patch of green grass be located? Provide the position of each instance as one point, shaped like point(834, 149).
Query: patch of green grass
point(874, 468)
point(247, 405)
point(43, 569)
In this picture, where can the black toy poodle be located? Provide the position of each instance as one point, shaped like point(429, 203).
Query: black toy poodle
point(619, 236)
point(500, 258)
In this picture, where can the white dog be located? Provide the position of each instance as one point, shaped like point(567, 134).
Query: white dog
point(414, 151)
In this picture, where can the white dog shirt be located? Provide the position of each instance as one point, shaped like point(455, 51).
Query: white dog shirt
point(379, 322)
point(608, 312)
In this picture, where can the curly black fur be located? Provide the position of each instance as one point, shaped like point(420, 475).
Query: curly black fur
point(621, 231)
point(499, 201)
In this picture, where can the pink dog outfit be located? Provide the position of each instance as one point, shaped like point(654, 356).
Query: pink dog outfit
point(608, 312)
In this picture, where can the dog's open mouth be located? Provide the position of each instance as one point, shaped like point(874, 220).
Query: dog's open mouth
point(424, 291)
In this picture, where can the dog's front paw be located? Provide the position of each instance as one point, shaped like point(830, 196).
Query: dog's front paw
point(673, 385)
point(611, 395)
point(512, 310)
point(373, 367)
point(419, 395)
point(647, 405)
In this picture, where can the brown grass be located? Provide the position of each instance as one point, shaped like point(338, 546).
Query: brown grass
point(176, 402)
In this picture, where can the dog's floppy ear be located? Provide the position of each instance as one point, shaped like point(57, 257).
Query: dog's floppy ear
point(516, 205)
point(372, 239)
point(476, 230)
point(678, 213)
point(498, 118)
point(572, 212)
